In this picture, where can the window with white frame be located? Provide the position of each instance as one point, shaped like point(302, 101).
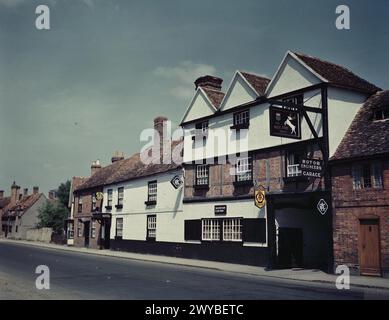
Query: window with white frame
point(151, 227)
point(71, 230)
point(94, 202)
point(119, 227)
point(201, 127)
point(79, 229)
point(242, 118)
point(93, 229)
point(202, 175)
point(152, 191)
point(120, 196)
point(232, 229)
point(210, 229)
point(293, 164)
point(367, 175)
point(79, 207)
point(244, 169)
point(109, 197)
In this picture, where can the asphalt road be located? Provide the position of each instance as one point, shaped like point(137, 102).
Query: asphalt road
point(85, 276)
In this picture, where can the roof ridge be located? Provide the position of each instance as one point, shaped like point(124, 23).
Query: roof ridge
point(254, 74)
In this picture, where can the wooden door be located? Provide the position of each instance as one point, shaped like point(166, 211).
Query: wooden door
point(369, 247)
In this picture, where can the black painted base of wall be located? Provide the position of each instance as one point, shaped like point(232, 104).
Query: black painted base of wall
point(222, 252)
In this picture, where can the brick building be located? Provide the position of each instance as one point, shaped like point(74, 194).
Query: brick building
point(258, 134)
point(360, 191)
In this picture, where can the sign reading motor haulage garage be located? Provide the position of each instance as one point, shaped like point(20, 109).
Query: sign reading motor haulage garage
point(311, 168)
point(285, 122)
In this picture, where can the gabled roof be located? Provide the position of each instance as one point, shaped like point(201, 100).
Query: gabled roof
point(337, 75)
point(74, 184)
point(258, 83)
point(211, 96)
point(366, 137)
point(214, 96)
point(125, 170)
point(21, 205)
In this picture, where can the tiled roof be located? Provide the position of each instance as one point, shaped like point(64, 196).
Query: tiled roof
point(215, 96)
point(4, 202)
point(366, 137)
point(338, 75)
point(124, 170)
point(257, 82)
point(21, 205)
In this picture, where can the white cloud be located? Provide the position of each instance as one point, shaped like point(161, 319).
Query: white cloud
point(183, 76)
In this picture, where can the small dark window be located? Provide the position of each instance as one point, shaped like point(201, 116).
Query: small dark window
point(16, 229)
point(242, 119)
point(381, 114)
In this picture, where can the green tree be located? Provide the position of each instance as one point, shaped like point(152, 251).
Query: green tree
point(63, 193)
point(53, 215)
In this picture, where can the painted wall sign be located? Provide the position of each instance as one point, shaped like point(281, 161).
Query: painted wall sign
point(176, 182)
point(285, 122)
point(260, 197)
point(312, 168)
point(220, 209)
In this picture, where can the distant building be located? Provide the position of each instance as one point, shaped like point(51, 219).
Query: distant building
point(360, 191)
point(21, 212)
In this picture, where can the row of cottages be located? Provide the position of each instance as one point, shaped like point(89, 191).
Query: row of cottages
point(20, 211)
point(261, 137)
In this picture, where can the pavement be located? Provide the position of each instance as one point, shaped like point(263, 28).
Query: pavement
point(310, 275)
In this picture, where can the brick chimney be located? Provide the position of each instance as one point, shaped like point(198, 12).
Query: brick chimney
point(35, 190)
point(14, 193)
point(209, 82)
point(1, 194)
point(25, 192)
point(96, 166)
point(118, 155)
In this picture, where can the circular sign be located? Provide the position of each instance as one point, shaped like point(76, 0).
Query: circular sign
point(99, 196)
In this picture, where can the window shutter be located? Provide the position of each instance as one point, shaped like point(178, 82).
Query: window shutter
point(192, 229)
point(254, 230)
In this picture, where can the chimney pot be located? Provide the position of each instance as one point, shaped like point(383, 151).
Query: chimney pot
point(117, 156)
point(96, 166)
point(209, 82)
point(25, 192)
point(35, 190)
point(14, 192)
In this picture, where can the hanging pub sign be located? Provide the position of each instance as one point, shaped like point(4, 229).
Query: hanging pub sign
point(99, 196)
point(311, 168)
point(220, 210)
point(259, 197)
point(285, 122)
point(176, 182)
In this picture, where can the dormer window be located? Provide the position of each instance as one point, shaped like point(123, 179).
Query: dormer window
point(381, 114)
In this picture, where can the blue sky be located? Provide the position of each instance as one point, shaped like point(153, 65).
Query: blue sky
point(105, 69)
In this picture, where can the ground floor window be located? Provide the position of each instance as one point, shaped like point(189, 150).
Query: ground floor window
point(71, 230)
point(119, 227)
point(79, 229)
point(151, 227)
point(93, 229)
point(222, 229)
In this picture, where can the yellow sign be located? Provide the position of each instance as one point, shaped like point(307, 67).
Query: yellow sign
point(259, 195)
point(99, 196)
